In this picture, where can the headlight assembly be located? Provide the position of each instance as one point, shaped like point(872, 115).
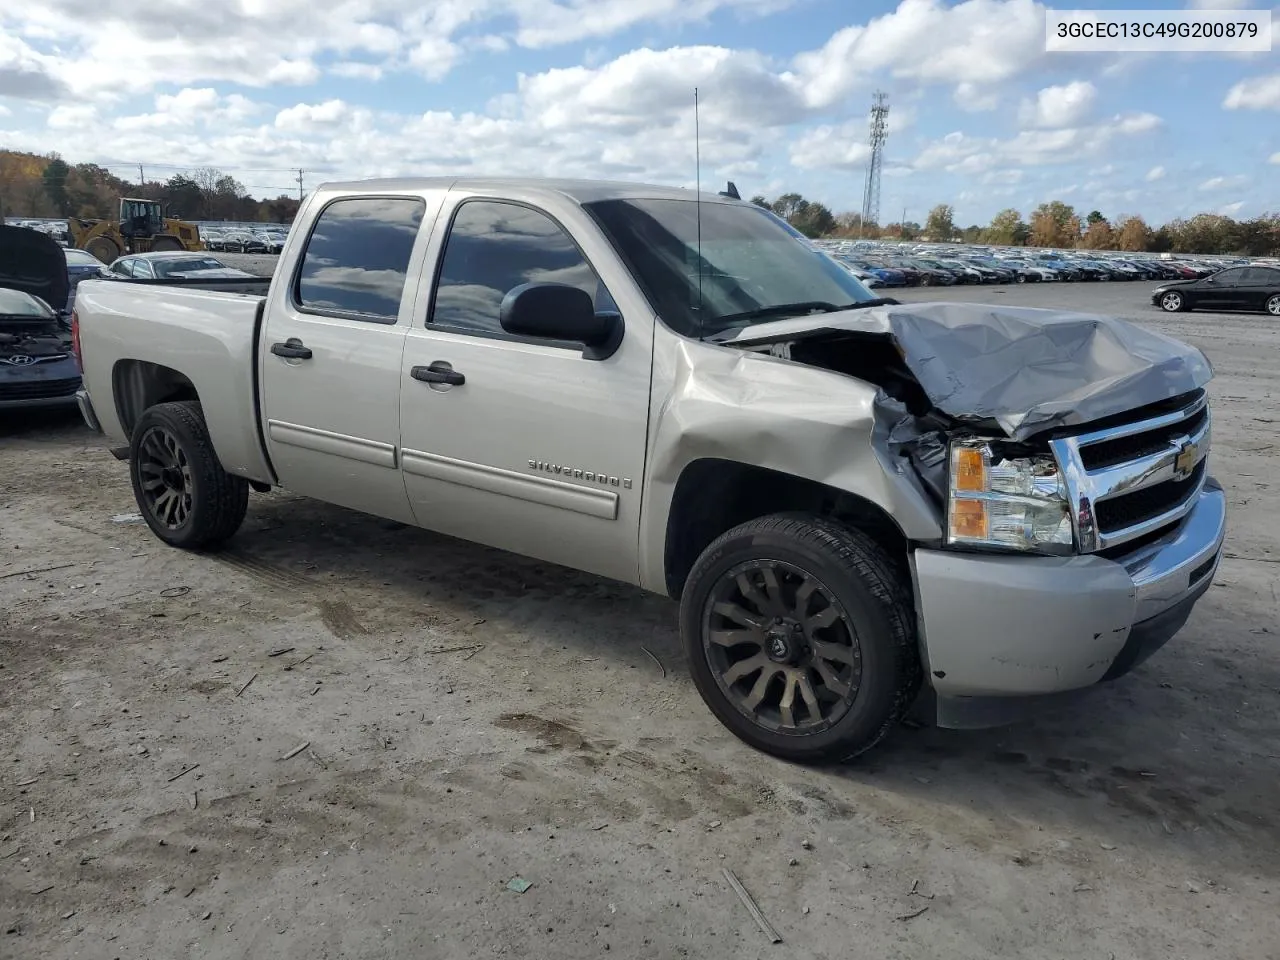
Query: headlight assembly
point(1004, 503)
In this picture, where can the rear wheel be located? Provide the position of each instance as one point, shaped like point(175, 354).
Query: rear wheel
point(183, 493)
point(800, 637)
point(1173, 302)
point(1273, 304)
point(104, 248)
point(166, 244)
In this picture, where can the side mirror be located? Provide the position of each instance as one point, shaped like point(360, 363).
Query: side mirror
point(557, 311)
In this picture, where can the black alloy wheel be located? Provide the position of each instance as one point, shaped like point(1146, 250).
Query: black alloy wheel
point(184, 494)
point(166, 479)
point(782, 647)
point(800, 636)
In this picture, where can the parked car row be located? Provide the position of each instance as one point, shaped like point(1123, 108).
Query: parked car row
point(881, 264)
point(267, 239)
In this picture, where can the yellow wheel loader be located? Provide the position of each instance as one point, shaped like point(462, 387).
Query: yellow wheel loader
point(142, 228)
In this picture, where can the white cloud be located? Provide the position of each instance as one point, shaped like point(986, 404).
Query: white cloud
point(72, 116)
point(1231, 209)
point(1222, 183)
point(292, 72)
point(305, 117)
point(1155, 173)
point(548, 24)
point(959, 153)
point(435, 57)
point(189, 107)
point(975, 42)
point(1060, 106)
point(356, 70)
point(975, 99)
point(1274, 158)
point(1256, 93)
point(1007, 177)
point(842, 147)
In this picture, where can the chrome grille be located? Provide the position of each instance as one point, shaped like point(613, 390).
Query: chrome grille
point(1131, 480)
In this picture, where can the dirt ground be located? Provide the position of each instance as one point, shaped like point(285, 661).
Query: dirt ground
point(470, 717)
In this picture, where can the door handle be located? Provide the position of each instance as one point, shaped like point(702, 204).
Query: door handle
point(292, 348)
point(438, 372)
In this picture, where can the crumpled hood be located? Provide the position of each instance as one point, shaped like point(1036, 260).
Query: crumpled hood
point(1027, 369)
point(33, 262)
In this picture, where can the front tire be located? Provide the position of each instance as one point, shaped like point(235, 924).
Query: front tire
point(800, 637)
point(183, 493)
point(1172, 302)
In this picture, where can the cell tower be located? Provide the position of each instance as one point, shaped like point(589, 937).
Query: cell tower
point(879, 131)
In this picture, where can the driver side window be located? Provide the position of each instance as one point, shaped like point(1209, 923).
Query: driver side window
point(495, 246)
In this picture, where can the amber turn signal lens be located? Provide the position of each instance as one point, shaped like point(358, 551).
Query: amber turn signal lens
point(969, 519)
point(969, 469)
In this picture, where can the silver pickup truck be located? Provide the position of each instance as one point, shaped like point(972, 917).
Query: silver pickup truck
point(850, 498)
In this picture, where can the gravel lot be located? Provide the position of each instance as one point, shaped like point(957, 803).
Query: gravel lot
point(473, 717)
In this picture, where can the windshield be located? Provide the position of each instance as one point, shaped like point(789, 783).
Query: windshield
point(79, 258)
point(15, 303)
point(166, 268)
point(751, 263)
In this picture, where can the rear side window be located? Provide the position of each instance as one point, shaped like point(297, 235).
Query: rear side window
point(1262, 277)
point(357, 258)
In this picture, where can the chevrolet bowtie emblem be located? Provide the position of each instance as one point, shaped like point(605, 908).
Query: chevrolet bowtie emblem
point(1185, 462)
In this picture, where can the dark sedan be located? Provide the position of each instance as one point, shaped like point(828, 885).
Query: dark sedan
point(1238, 288)
point(80, 266)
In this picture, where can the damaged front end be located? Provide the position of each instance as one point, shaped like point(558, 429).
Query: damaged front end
point(1066, 457)
point(973, 397)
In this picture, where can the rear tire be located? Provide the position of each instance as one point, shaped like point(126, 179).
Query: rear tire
point(166, 244)
point(1273, 305)
point(800, 637)
point(183, 493)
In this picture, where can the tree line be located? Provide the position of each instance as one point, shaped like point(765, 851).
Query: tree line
point(1054, 224)
point(32, 185)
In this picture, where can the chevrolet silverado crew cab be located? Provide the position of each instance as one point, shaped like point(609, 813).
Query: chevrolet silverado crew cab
point(850, 498)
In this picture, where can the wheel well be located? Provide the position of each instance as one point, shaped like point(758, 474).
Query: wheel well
point(140, 384)
point(713, 496)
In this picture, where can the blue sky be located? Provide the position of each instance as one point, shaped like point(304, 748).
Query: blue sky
point(980, 115)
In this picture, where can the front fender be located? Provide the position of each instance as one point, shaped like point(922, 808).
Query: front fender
point(716, 402)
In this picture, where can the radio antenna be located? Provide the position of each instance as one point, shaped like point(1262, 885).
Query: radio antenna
point(697, 199)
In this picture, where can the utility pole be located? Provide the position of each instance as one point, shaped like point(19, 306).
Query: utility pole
point(142, 177)
point(299, 184)
point(879, 131)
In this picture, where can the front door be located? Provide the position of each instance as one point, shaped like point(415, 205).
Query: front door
point(330, 361)
point(522, 444)
point(1222, 291)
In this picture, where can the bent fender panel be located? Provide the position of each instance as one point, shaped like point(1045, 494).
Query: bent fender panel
point(726, 404)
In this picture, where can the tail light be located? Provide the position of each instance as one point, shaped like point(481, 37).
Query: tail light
point(75, 338)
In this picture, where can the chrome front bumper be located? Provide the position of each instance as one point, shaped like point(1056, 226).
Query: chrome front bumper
point(1009, 627)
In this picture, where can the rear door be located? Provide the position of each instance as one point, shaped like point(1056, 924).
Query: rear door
point(330, 358)
point(1259, 284)
point(535, 449)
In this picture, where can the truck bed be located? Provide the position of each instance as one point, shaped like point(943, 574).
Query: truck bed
point(127, 323)
point(252, 285)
